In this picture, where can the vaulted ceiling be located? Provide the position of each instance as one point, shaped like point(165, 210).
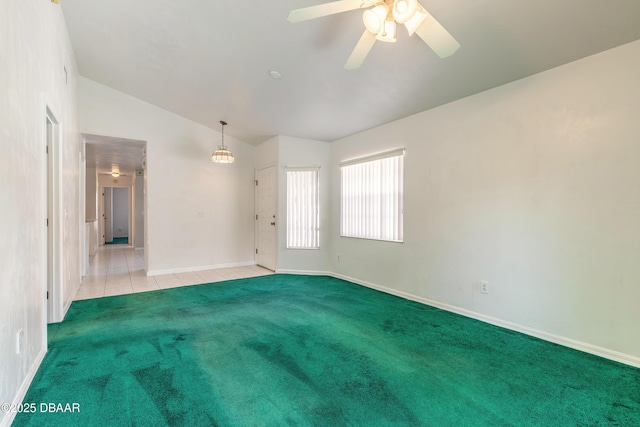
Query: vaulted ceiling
point(210, 60)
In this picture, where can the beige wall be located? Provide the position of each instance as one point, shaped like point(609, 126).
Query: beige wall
point(533, 186)
point(199, 214)
point(34, 51)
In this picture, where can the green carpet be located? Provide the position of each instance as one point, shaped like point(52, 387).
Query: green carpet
point(300, 350)
point(118, 241)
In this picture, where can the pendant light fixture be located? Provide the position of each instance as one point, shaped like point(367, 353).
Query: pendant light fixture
point(222, 154)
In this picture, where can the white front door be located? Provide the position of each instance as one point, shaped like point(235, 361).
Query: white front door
point(266, 218)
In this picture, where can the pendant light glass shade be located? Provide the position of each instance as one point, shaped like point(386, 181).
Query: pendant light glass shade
point(222, 154)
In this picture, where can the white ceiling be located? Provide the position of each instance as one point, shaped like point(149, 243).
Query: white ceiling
point(210, 60)
point(104, 153)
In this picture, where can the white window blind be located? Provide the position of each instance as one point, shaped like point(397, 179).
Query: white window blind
point(303, 217)
point(372, 197)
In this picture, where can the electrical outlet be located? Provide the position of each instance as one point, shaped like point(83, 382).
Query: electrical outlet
point(338, 258)
point(19, 338)
point(484, 287)
point(200, 214)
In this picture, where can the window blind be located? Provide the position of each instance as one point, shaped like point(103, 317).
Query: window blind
point(372, 197)
point(303, 218)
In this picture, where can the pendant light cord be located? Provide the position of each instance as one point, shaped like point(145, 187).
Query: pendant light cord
point(223, 123)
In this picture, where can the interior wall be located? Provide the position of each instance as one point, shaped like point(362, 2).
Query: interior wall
point(107, 214)
point(120, 212)
point(531, 186)
point(34, 50)
point(138, 211)
point(297, 152)
point(91, 214)
point(267, 153)
point(91, 189)
point(199, 214)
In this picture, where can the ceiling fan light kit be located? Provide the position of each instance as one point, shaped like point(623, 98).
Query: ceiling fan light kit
point(380, 19)
point(388, 31)
point(404, 10)
point(374, 18)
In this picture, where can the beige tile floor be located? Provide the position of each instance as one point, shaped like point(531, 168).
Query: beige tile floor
point(119, 269)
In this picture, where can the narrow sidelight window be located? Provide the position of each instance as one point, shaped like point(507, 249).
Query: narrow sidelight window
point(303, 208)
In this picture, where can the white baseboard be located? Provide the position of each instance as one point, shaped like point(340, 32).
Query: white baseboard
point(24, 387)
point(67, 304)
point(138, 249)
point(199, 268)
point(305, 272)
point(614, 355)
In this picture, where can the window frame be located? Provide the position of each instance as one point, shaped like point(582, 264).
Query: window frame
point(316, 170)
point(398, 195)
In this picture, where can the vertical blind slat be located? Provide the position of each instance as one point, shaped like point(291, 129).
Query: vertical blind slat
point(303, 210)
point(371, 199)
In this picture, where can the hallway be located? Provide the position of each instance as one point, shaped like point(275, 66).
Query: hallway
point(119, 269)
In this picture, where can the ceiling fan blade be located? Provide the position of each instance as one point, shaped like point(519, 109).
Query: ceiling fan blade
point(325, 9)
point(361, 50)
point(437, 37)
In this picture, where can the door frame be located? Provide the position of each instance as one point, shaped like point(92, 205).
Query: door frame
point(130, 209)
point(107, 217)
point(53, 284)
point(82, 209)
point(257, 208)
point(131, 232)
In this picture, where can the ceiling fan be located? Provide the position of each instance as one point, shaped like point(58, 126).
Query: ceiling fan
point(380, 19)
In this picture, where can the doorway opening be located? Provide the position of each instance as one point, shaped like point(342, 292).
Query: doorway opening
point(117, 216)
point(113, 165)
